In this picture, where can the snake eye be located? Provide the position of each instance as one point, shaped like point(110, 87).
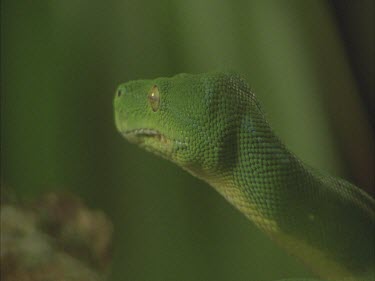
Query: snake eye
point(154, 98)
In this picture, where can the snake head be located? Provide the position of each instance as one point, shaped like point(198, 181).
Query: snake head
point(192, 120)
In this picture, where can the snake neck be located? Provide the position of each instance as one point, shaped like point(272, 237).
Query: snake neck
point(298, 207)
point(262, 178)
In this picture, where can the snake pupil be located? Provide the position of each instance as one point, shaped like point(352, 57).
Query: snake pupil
point(154, 98)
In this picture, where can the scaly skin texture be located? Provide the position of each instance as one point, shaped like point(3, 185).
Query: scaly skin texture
point(212, 126)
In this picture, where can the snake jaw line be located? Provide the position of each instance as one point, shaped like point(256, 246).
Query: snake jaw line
point(138, 135)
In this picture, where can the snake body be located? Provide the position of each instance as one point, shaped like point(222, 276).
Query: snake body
point(213, 126)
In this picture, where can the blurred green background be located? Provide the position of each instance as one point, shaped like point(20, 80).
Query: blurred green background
point(311, 64)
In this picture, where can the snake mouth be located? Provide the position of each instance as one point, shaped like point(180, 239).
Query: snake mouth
point(140, 135)
point(155, 141)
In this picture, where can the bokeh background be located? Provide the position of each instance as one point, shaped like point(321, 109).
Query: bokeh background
point(311, 64)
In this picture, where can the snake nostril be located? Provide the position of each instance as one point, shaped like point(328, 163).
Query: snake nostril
point(119, 93)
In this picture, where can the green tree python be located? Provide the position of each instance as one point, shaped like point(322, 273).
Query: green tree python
point(213, 126)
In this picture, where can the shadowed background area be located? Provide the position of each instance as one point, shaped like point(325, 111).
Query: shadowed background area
point(311, 63)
